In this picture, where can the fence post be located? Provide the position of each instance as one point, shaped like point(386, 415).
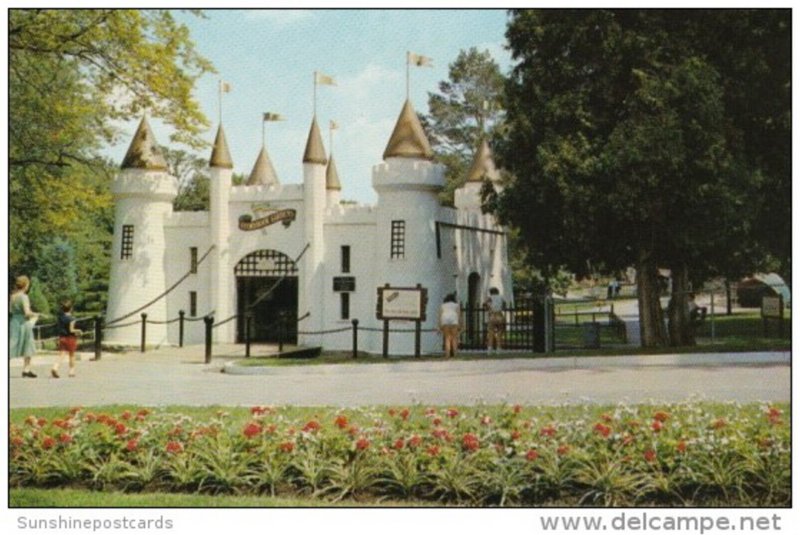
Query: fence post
point(144, 331)
point(98, 337)
point(209, 321)
point(181, 314)
point(385, 339)
point(355, 339)
point(247, 328)
point(713, 330)
point(417, 336)
point(281, 330)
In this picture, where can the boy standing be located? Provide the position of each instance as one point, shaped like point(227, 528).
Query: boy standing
point(67, 339)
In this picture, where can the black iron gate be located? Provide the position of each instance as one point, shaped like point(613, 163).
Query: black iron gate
point(524, 326)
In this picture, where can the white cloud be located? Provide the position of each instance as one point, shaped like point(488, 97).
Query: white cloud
point(279, 17)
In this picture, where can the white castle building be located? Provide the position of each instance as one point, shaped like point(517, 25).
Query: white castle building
point(293, 250)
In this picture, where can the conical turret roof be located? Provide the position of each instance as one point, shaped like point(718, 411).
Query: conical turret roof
point(263, 174)
point(220, 155)
point(315, 150)
point(483, 165)
point(144, 152)
point(332, 176)
point(408, 138)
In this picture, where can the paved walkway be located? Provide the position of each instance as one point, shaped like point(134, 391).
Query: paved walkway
point(179, 376)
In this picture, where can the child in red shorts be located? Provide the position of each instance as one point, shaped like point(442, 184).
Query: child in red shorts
point(67, 339)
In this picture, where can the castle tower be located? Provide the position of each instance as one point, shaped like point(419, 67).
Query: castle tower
point(408, 183)
point(263, 173)
point(333, 186)
point(222, 283)
point(468, 196)
point(314, 201)
point(143, 193)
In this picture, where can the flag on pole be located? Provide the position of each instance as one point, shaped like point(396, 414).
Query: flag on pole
point(224, 87)
point(269, 116)
point(334, 126)
point(419, 61)
point(323, 79)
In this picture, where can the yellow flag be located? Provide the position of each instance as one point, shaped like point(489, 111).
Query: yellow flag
point(323, 79)
point(225, 87)
point(419, 61)
point(269, 116)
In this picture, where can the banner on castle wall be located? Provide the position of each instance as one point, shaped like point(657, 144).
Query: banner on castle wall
point(402, 303)
point(285, 216)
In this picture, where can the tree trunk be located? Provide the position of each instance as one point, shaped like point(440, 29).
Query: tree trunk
point(681, 330)
point(651, 319)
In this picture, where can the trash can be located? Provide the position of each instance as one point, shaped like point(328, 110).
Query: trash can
point(591, 335)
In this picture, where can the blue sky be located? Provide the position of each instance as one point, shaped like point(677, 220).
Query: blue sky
point(269, 56)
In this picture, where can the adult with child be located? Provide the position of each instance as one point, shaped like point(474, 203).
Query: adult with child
point(20, 328)
point(496, 322)
point(67, 339)
point(450, 324)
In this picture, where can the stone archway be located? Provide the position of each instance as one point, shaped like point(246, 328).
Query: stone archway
point(266, 287)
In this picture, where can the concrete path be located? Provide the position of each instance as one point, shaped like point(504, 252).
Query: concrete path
point(178, 376)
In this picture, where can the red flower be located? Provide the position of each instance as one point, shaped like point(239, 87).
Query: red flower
point(120, 428)
point(452, 413)
point(430, 411)
point(142, 413)
point(90, 417)
point(270, 429)
point(286, 447)
point(65, 438)
point(515, 434)
point(63, 424)
point(48, 442)
point(132, 445)
point(341, 421)
point(548, 431)
point(404, 414)
point(517, 409)
point(311, 426)
point(399, 443)
point(532, 455)
point(442, 434)
point(602, 429)
point(392, 412)
point(126, 415)
point(656, 426)
point(433, 451)
point(414, 441)
point(41, 422)
point(362, 444)
point(661, 416)
point(437, 421)
point(258, 410)
point(252, 429)
point(17, 441)
point(352, 430)
point(606, 417)
point(174, 447)
point(719, 423)
point(681, 447)
point(649, 456)
point(470, 442)
point(563, 449)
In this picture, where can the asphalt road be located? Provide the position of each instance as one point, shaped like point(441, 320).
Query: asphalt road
point(174, 376)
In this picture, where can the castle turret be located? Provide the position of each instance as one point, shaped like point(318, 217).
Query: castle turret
point(263, 173)
point(143, 192)
point(408, 184)
point(222, 284)
point(314, 197)
point(468, 196)
point(333, 186)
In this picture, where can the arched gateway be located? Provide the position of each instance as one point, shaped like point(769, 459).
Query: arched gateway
point(266, 287)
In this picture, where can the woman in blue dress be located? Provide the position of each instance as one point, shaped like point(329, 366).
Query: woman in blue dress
point(20, 328)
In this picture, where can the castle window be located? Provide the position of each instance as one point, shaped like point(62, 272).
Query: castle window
point(193, 259)
point(192, 304)
point(127, 242)
point(398, 245)
point(344, 305)
point(345, 259)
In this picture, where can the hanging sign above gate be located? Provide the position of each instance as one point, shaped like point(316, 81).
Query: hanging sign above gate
point(286, 216)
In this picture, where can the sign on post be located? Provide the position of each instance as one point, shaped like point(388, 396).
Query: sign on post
point(402, 303)
point(772, 309)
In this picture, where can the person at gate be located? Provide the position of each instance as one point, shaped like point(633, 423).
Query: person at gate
point(20, 328)
point(496, 323)
point(67, 339)
point(450, 324)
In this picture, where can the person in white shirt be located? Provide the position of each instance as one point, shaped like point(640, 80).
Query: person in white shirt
point(496, 323)
point(450, 324)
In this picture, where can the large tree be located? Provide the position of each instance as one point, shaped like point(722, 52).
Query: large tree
point(467, 106)
point(626, 140)
point(73, 75)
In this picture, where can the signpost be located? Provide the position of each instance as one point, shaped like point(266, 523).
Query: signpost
point(409, 304)
point(772, 308)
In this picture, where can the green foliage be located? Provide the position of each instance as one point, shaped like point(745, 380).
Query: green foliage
point(193, 180)
point(57, 267)
point(458, 116)
point(37, 298)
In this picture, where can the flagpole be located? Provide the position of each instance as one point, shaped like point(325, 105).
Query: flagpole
point(331, 139)
point(220, 101)
point(408, 72)
point(263, 127)
point(315, 93)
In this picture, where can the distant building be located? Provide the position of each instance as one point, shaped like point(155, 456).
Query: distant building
point(293, 250)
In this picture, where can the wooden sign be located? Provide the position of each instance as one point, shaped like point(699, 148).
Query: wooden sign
point(246, 222)
point(772, 307)
point(344, 284)
point(402, 303)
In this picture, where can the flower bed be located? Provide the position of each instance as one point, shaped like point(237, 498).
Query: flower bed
point(686, 454)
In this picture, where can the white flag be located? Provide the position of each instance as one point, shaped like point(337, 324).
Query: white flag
point(323, 79)
point(224, 87)
point(419, 61)
point(269, 116)
point(334, 126)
